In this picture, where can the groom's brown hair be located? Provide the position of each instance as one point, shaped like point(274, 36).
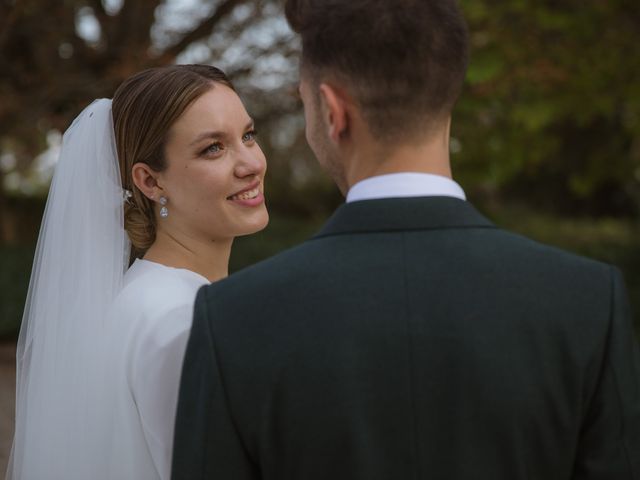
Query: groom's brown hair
point(404, 61)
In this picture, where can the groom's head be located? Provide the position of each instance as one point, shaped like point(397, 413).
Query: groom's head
point(384, 71)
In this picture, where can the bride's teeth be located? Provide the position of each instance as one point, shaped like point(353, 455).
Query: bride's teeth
point(247, 195)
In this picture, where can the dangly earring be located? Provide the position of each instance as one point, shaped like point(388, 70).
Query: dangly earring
point(164, 211)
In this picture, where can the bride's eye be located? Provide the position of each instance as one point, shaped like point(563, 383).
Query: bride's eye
point(250, 136)
point(212, 149)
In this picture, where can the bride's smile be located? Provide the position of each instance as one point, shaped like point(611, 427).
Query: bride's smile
point(251, 196)
point(215, 169)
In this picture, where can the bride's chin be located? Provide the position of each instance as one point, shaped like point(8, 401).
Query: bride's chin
point(257, 224)
point(242, 224)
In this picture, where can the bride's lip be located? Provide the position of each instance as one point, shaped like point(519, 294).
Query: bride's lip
point(249, 202)
point(248, 197)
point(253, 186)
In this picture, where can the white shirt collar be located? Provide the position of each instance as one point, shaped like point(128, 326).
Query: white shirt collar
point(405, 184)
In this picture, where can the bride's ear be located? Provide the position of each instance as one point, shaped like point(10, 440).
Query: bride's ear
point(146, 180)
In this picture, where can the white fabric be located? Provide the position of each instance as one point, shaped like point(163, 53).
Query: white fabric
point(79, 266)
point(100, 350)
point(405, 184)
point(149, 325)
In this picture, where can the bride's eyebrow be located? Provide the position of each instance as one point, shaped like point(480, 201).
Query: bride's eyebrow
point(206, 135)
point(217, 134)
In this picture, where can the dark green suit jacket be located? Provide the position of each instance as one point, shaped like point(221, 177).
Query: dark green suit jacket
point(412, 339)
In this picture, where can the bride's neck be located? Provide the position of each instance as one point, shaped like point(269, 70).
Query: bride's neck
point(210, 259)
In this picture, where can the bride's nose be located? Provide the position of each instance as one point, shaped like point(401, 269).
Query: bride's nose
point(250, 161)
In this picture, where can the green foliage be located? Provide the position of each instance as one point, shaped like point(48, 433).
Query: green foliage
point(553, 98)
point(14, 281)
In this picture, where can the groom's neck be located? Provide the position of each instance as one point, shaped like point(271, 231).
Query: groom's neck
point(428, 155)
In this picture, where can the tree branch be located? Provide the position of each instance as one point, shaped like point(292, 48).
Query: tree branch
point(201, 31)
point(103, 19)
point(98, 9)
point(134, 23)
point(10, 19)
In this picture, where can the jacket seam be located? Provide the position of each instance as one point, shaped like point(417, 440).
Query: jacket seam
point(625, 447)
point(408, 312)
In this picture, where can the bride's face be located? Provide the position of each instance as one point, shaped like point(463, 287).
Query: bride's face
point(215, 170)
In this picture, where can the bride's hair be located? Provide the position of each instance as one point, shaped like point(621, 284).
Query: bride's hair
point(144, 107)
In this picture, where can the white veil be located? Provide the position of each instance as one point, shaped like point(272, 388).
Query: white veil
point(79, 265)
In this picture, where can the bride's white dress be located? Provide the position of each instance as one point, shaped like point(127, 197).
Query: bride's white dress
point(100, 351)
point(148, 327)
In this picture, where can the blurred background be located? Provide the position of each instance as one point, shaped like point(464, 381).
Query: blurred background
point(546, 136)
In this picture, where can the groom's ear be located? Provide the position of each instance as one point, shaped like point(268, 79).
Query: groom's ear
point(336, 109)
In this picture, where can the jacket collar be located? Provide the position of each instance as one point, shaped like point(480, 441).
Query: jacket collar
point(403, 214)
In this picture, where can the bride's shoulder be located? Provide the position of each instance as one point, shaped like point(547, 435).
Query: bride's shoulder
point(151, 290)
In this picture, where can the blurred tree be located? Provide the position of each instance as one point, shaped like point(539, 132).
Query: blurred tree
point(551, 113)
point(55, 57)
